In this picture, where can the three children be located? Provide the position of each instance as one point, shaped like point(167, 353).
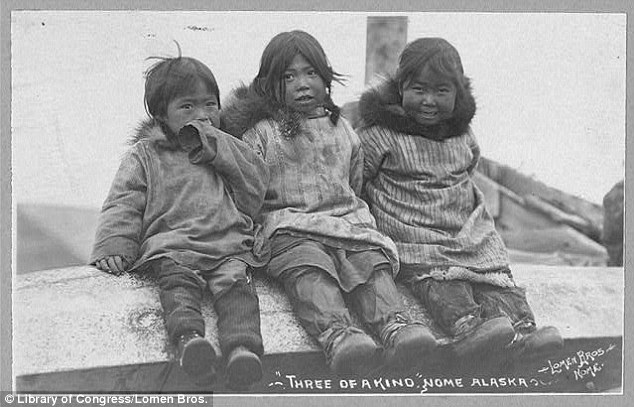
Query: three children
point(185, 198)
point(420, 154)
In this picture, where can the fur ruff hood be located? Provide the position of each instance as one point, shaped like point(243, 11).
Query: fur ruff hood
point(244, 109)
point(381, 106)
point(152, 130)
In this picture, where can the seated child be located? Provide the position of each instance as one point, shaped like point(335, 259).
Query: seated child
point(420, 155)
point(190, 223)
point(324, 244)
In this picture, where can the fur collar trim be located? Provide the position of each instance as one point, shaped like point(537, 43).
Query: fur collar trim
point(152, 130)
point(381, 106)
point(244, 109)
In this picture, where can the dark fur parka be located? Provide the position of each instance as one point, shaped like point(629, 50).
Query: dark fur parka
point(245, 108)
point(381, 106)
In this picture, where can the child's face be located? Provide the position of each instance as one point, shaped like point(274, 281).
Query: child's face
point(305, 89)
point(200, 104)
point(429, 98)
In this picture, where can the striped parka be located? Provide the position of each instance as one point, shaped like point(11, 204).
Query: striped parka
point(417, 182)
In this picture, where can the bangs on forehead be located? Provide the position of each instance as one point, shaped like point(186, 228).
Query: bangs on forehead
point(441, 68)
point(278, 56)
point(315, 58)
point(283, 60)
point(310, 50)
point(286, 53)
point(174, 77)
point(186, 85)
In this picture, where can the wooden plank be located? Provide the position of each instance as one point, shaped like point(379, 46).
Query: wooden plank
point(386, 38)
point(524, 185)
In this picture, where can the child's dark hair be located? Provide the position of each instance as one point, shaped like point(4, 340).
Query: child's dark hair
point(173, 77)
point(279, 54)
point(440, 57)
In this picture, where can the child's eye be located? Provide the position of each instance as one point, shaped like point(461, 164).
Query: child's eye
point(211, 103)
point(288, 76)
point(312, 72)
point(187, 106)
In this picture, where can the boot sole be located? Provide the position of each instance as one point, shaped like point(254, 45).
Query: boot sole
point(359, 361)
point(198, 358)
point(544, 348)
point(244, 370)
point(410, 351)
point(492, 335)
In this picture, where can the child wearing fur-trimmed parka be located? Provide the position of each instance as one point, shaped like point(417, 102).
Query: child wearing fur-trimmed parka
point(181, 207)
point(420, 154)
point(324, 244)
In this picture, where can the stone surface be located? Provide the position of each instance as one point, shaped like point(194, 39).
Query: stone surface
point(81, 318)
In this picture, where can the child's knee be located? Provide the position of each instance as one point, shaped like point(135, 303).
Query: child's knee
point(179, 278)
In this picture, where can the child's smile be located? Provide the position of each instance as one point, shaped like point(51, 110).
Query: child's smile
point(304, 100)
point(429, 98)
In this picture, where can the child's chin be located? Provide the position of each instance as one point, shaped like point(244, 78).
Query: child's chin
point(426, 121)
point(312, 110)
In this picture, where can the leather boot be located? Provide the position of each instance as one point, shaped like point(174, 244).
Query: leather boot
point(538, 343)
point(476, 339)
point(350, 351)
point(243, 367)
point(196, 355)
point(405, 343)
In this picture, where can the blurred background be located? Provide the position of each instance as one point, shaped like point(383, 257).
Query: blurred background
point(550, 89)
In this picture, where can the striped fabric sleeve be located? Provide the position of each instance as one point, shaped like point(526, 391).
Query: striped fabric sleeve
point(475, 150)
point(375, 149)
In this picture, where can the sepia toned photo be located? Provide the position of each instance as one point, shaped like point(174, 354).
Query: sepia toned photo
point(280, 203)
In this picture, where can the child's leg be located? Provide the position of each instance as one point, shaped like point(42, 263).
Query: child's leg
point(509, 301)
point(452, 305)
point(377, 301)
point(181, 294)
point(448, 302)
point(316, 300)
point(512, 302)
point(320, 308)
point(238, 310)
point(380, 306)
point(238, 323)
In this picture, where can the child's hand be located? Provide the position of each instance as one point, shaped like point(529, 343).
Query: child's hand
point(112, 264)
point(199, 140)
point(189, 137)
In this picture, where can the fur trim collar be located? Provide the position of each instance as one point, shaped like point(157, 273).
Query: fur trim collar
point(152, 130)
point(244, 109)
point(381, 106)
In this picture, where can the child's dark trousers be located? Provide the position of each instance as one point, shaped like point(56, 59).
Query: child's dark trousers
point(237, 307)
point(319, 303)
point(450, 300)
